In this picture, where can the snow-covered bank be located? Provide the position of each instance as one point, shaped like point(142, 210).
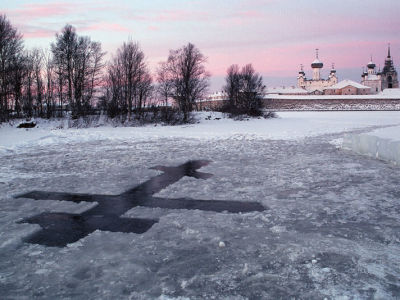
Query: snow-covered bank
point(381, 143)
point(288, 126)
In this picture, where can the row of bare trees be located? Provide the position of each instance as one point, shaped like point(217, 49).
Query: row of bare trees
point(43, 83)
point(72, 77)
point(11, 62)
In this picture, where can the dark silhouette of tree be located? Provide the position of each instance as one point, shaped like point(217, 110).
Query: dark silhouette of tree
point(78, 63)
point(11, 51)
point(245, 90)
point(37, 67)
point(189, 79)
point(164, 84)
point(128, 82)
point(50, 90)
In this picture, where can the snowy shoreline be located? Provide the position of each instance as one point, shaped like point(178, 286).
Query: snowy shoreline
point(382, 144)
point(287, 126)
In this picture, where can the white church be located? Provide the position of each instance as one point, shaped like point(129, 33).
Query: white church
point(372, 81)
point(316, 85)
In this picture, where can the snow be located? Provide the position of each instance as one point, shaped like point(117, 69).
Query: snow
point(344, 83)
point(382, 143)
point(330, 228)
point(393, 94)
point(286, 90)
point(288, 126)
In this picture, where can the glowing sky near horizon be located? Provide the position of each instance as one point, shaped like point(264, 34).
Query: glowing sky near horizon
point(276, 36)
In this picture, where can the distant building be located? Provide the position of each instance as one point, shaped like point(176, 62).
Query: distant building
point(348, 87)
point(291, 90)
point(372, 79)
point(214, 101)
point(378, 81)
point(389, 74)
point(217, 96)
point(316, 85)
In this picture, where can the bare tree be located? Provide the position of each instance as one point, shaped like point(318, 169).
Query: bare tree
point(233, 85)
point(37, 67)
point(28, 85)
point(63, 51)
point(51, 84)
point(129, 83)
point(11, 48)
point(164, 83)
point(17, 76)
point(78, 63)
point(189, 78)
point(245, 90)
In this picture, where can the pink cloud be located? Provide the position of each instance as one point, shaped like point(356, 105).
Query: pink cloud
point(170, 16)
point(33, 32)
point(180, 15)
point(39, 33)
point(153, 28)
point(34, 11)
point(103, 26)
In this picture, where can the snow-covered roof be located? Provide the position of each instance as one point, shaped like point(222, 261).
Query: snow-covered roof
point(219, 93)
point(391, 92)
point(342, 84)
point(285, 90)
point(394, 96)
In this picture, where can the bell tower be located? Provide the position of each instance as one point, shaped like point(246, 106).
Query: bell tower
point(389, 73)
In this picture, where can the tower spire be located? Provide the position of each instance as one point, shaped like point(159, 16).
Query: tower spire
point(388, 50)
point(316, 52)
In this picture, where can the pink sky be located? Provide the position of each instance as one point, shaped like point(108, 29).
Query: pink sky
point(276, 36)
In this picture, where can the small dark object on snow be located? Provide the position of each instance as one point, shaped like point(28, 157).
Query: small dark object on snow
point(27, 125)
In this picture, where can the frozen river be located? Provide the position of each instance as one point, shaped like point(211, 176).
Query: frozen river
point(330, 227)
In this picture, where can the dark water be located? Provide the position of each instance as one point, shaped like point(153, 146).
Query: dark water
point(60, 229)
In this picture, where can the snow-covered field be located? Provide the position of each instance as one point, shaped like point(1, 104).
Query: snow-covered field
point(330, 228)
point(288, 126)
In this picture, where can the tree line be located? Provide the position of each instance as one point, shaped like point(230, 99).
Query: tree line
point(72, 78)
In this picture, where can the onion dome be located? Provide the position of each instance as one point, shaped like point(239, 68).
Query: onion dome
point(371, 65)
point(317, 64)
point(301, 72)
point(333, 70)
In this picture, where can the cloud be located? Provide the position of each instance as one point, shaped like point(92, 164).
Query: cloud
point(104, 26)
point(167, 15)
point(37, 32)
point(30, 11)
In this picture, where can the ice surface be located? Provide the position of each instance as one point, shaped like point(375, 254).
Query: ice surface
point(331, 229)
point(382, 143)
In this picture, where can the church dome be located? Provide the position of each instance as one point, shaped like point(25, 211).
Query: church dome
point(317, 64)
point(371, 65)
